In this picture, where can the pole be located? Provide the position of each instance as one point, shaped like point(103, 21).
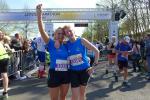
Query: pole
point(92, 32)
point(113, 25)
point(149, 4)
point(26, 31)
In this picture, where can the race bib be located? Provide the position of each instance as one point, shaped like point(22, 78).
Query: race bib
point(76, 60)
point(61, 65)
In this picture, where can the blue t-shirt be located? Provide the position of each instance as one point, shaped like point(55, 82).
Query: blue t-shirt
point(77, 55)
point(33, 45)
point(122, 47)
point(58, 57)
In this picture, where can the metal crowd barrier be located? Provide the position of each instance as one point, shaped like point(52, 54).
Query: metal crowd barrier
point(103, 55)
point(21, 61)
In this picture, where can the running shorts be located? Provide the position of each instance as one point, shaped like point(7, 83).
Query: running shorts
point(122, 64)
point(41, 56)
point(57, 78)
point(3, 65)
point(79, 78)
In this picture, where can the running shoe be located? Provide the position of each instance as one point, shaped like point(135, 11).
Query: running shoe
point(126, 84)
point(5, 95)
point(106, 72)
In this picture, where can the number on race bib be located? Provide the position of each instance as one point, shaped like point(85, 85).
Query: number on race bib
point(76, 60)
point(61, 65)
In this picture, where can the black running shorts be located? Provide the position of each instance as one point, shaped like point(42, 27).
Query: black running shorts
point(122, 64)
point(57, 78)
point(79, 78)
point(3, 65)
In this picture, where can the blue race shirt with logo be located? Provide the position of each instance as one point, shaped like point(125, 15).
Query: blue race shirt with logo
point(77, 55)
point(122, 47)
point(58, 56)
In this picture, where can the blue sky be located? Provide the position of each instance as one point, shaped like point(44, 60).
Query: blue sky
point(20, 4)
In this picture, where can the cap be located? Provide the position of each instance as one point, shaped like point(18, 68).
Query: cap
point(127, 39)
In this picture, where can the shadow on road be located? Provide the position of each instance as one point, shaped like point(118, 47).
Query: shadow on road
point(31, 87)
point(137, 82)
point(101, 93)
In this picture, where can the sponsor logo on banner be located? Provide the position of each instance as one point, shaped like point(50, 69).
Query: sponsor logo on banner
point(69, 15)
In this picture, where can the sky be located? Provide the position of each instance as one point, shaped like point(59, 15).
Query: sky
point(20, 4)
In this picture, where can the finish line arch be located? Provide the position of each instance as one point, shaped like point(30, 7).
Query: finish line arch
point(61, 15)
point(57, 15)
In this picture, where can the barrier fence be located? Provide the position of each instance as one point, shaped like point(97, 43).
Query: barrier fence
point(21, 61)
point(26, 61)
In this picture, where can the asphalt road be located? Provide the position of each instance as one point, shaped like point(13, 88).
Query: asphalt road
point(102, 87)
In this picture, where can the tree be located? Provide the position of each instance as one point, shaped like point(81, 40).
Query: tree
point(27, 28)
point(3, 7)
point(96, 31)
point(138, 16)
point(89, 32)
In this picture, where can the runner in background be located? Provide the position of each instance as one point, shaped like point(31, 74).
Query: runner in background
point(41, 52)
point(123, 49)
point(112, 56)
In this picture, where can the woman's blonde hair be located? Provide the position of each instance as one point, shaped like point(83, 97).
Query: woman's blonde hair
point(7, 39)
point(66, 27)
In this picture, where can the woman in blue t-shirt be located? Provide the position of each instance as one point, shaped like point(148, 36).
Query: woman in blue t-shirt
point(80, 69)
point(58, 77)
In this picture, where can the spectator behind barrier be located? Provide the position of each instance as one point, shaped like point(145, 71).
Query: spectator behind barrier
point(17, 42)
point(7, 43)
point(147, 47)
point(26, 46)
point(136, 56)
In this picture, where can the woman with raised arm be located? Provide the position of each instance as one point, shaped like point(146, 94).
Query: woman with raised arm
point(58, 77)
point(80, 69)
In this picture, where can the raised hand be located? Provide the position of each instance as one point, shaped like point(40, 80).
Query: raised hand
point(39, 9)
point(44, 35)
